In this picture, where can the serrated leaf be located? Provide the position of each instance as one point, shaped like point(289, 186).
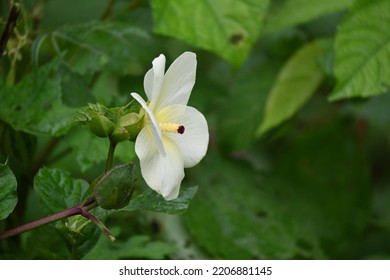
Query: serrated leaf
point(295, 84)
point(107, 43)
point(34, 105)
point(294, 12)
point(58, 190)
point(227, 28)
point(362, 48)
point(152, 201)
point(8, 195)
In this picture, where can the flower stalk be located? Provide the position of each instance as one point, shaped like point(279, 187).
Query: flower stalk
point(82, 210)
point(110, 155)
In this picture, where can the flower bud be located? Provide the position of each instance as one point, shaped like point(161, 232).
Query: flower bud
point(115, 188)
point(120, 134)
point(133, 123)
point(101, 126)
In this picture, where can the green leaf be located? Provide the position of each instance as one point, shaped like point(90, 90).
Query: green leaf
point(39, 244)
point(34, 105)
point(136, 247)
point(295, 84)
point(119, 46)
point(362, 50)
point(152, 201)
point(294, 12)
point(227, 28)
point(89, 150)
point(8, 195)
point(75, 91)
point(59, 191)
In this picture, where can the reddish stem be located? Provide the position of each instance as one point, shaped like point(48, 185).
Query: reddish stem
point(37, 223)
point(76, 210)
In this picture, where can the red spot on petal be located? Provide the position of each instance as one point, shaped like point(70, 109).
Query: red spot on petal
point(181, 129)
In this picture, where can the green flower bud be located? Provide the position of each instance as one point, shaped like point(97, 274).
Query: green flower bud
point(101, 126)
point(129, 119)
point(127, 128)
point(120, 134)
point(133, 123)
point(115, 188)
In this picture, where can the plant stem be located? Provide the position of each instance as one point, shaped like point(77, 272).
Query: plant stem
point(108, 9)
point(76, 210)
point(94, 219)
point(110, 156)
point(37, 223)
point(11, 22)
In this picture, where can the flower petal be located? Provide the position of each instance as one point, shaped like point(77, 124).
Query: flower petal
point(178, 82)
point(151, 124)
point(194, 141)
point(148, 83)
point(154, 79)
point(162, 173)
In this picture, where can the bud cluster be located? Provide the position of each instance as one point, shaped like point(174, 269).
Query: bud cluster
point(119, 123)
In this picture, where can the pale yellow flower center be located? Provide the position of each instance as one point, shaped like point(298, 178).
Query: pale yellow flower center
point(172, 127)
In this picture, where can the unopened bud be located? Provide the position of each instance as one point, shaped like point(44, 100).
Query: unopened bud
point(120, 134)
point(133, 123)
point(115, 188)
point(101, 126)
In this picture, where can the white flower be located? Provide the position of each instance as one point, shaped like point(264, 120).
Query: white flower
point(174, 136)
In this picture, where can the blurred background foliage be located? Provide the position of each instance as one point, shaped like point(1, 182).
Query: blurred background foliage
point(296, 94)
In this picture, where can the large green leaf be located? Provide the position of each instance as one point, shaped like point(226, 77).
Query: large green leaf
point(118, 45)
point(296, 83)
point(362, 49)
point(228, 28)
point(8, 196)
point(152, 201)
point(294, 12)
point(35, 104)
point(59, 191)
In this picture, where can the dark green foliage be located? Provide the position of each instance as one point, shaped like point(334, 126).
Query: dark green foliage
point(289, 174)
